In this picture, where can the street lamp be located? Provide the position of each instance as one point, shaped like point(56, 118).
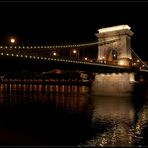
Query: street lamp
point(85, 58)
point(54, 53)
point(74, 51)
point(12, 40)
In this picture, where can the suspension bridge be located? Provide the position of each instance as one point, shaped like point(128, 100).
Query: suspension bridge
point(72, 55)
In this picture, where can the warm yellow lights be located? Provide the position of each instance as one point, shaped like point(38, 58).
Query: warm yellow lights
point(12, 40)
point(74, 51)
point(54, 53)
point(86, 58)
point(114, 28)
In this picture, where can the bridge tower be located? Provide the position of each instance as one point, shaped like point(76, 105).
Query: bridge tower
point(118, 51)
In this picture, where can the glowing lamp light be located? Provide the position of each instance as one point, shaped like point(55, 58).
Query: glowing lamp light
point(74, 51)
point(12, 40)
point(85, 58)
point(54, 53)
point(121, 62)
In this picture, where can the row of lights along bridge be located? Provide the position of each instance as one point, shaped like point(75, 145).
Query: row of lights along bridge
point(74, 54)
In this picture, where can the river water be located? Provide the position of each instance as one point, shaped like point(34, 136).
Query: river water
point(31, 115)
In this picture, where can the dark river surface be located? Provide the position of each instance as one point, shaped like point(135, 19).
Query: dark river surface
point(31, 115)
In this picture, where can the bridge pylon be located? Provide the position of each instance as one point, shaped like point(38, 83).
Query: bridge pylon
point(116, 52)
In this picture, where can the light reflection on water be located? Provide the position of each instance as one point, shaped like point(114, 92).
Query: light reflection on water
point(117, 122)
point(84, 120)
point(112, 118)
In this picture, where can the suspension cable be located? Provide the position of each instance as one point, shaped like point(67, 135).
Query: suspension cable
point(139, 58)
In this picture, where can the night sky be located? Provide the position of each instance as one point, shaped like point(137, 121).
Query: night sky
point(48, 23)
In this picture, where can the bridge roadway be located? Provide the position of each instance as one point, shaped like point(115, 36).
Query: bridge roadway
point(20, 62)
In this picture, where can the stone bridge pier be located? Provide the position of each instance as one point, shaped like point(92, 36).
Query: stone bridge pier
point(117, 52)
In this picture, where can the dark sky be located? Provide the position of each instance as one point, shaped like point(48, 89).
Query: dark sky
point(72, 22)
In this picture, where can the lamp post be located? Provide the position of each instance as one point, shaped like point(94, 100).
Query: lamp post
point(74, 54)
